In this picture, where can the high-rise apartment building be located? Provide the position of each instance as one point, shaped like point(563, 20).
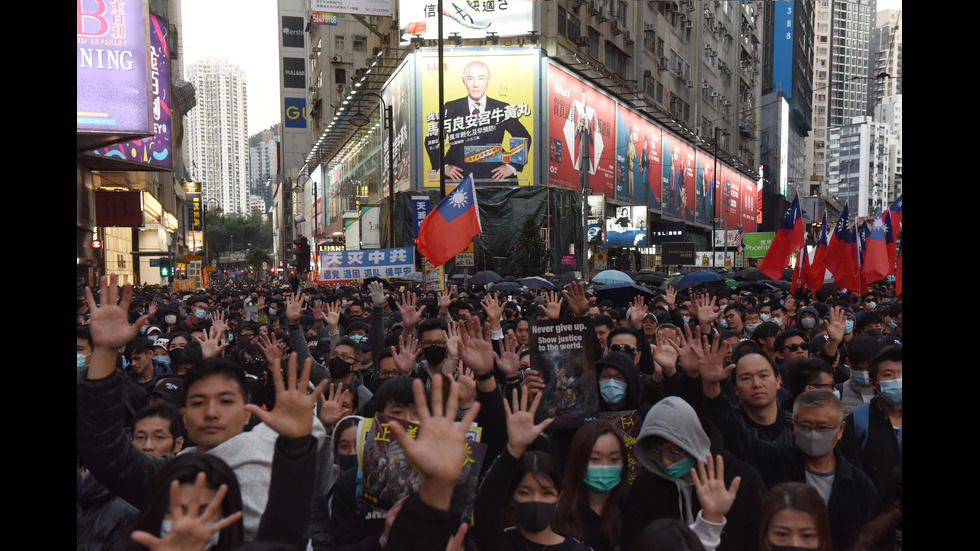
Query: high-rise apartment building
point(217, 134)
point(886, 57)
point(841, 74)
point(858, 171)
point(889, 113)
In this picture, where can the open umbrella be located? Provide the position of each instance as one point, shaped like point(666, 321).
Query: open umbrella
point(416, 277)
point(751, 274)
point(621, 294)
point(484, 277)
point(505, 286)
point(694, 278)
point(536, 282)
point(608, 277)
point(564, 278)
point(650, 277)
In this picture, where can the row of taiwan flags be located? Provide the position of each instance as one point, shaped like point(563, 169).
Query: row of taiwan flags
point(856, 256)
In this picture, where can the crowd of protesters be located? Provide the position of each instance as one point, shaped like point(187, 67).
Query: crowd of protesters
point(230, 419)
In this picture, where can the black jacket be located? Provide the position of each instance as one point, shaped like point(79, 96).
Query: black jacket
point(877, 451)
point(852, 495)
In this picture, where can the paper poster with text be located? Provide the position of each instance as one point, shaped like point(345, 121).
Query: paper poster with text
point(561, 352)
point(581, 143)
point(488, 117)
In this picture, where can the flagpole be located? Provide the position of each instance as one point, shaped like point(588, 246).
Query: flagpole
point(442, 109)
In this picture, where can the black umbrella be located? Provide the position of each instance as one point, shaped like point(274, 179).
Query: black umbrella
point(484, 277)
point(510, 278)
point(535, 282)
point(751, 274)
point(505, 286)
point(564, 278)
point(650, 277)
point(621, 294)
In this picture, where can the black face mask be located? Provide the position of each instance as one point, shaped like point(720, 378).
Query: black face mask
point(535, 516)
point(874, 334)
point(339, 368)
point(347, 461)
point(435, 354)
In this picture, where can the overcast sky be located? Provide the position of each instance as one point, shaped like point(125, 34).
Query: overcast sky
point(245, 32)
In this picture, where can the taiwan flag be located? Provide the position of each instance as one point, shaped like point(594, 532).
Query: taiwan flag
point(450, 228)
point(817, 269)
point(889, 240)
point(789, 239)
point(896, 213)
point(839, 257)
point(875, 264)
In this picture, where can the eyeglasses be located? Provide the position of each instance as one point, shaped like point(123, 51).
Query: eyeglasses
point(819, 428)
point(668, 450)
point(525, 365)
point(388, 374)
point(157, 438)
point(622, 348)
point(248, 335)
point(426, 344)
point(794, 347)
point(346, 357)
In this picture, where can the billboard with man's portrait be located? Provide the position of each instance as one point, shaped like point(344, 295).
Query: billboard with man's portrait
point(488, 117)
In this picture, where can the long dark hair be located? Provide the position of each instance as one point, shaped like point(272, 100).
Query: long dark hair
point(184, 468)
point(542, 466)
point(797, 497)
point(575, 498)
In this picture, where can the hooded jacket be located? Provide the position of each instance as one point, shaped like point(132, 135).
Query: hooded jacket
point(656, 495)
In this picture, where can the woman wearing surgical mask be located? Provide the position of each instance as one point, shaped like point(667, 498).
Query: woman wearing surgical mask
point(595, 487)
point(524, 486)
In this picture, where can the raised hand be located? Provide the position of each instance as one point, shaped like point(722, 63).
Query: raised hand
point(709, 482)
point(211, 346)
point(294, 306)
point(553, 304)
point(670, 297)
point(835, 324)
point(637, 311)
point(509, 359)
point(688, 351)
point(494, 309)
point(410, 315)
point(405, 357)
point(317, 309)
point(219, 323)
point(467, 388)
point(377, 292)
point(521, 430)
point(270, 348)
point(260, 304)
point(438, 451)
point(577, 302)
point(109, 322)
point(532, 383)
point(292, 415)
point(332, 316)
point(476, 350)
point(332, 408)
point(704, 309)
point(444, 301)
point(152, 308)
point(665, 353)
point(191, 528)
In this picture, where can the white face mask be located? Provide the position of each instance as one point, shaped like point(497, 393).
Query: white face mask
point(765, 317)
point(170, 319)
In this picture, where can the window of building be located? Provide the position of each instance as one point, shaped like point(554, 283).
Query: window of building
point(562, 23)
point(594, 43)
point(574, 27)
point(340, 43)
point(360, 43)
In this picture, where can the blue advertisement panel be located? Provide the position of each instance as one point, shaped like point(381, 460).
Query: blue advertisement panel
point(295, 112)
point(782, 48)
point(420, 208)
point(340, 265)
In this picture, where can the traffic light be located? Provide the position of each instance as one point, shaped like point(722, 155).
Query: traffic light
point(165, 269)
point(301, 255)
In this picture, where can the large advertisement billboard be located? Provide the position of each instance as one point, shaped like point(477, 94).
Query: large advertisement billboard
point(748, 200)
point(112, 85)
point(489, 120)
point(398, 93)
point(468, 19)
point(154, 151)
point(704, 182)
point(677, 178)
point(638, 164)
point(361, 7)
point(581, 144)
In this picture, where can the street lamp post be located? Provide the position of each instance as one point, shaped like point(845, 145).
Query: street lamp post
point(714, 202)
point(359, 119)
